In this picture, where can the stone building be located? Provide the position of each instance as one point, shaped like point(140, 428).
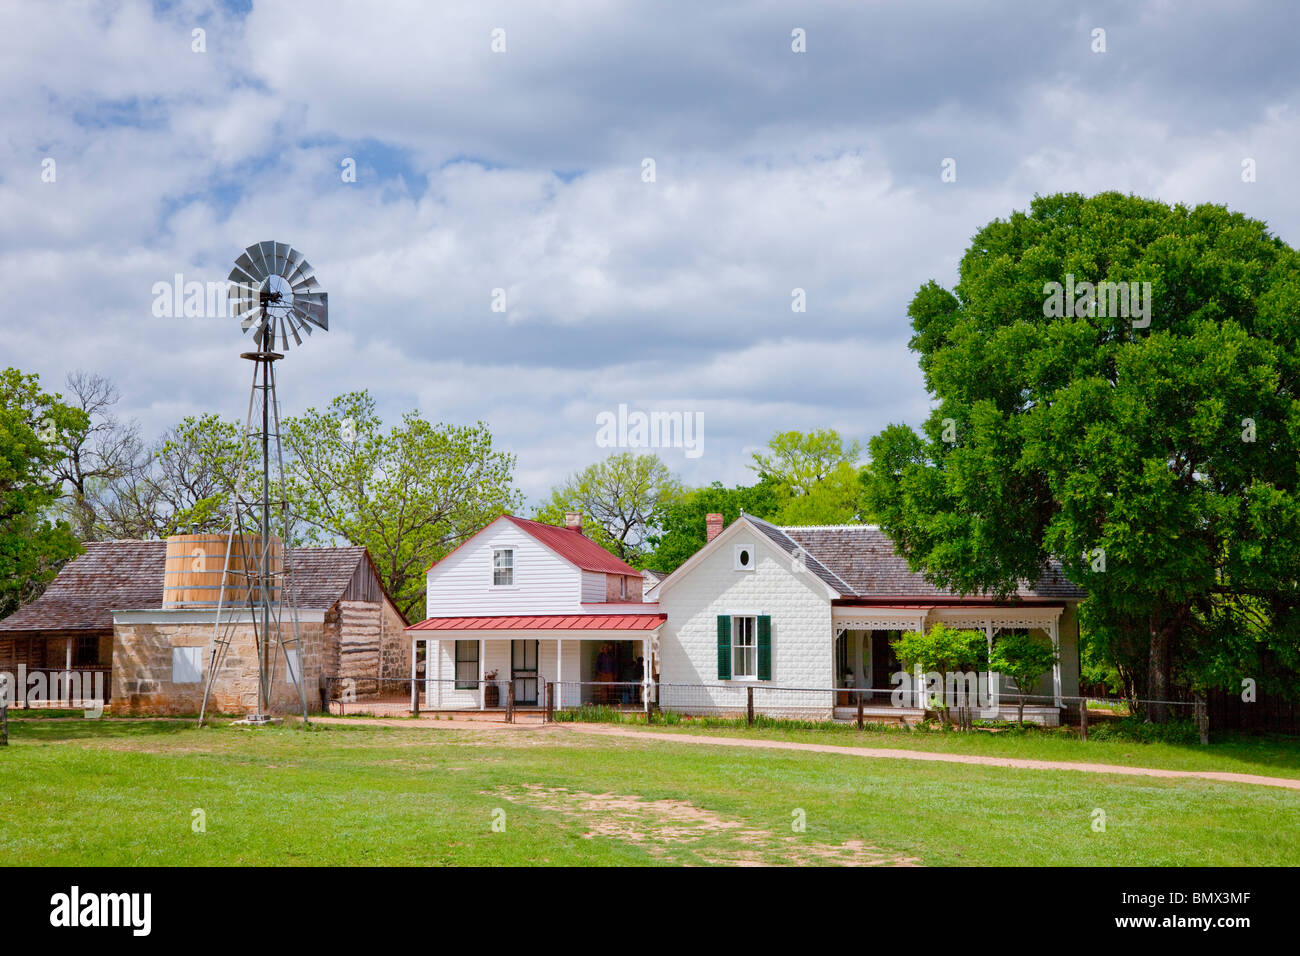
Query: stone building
point(105, 613)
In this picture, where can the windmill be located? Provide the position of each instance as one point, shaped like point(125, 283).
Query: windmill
point(274, 293)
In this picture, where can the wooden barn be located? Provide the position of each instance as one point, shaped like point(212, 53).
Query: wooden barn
point(107, 612)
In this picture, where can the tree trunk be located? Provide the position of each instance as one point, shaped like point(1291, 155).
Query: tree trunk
point(1158, 664)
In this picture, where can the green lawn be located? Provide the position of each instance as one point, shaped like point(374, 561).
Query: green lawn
point(122, 792)
point(1270, 756)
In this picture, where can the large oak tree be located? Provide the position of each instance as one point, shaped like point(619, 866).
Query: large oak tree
point(1159, 461)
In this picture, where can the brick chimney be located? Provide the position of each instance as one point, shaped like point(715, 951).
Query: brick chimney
point(712, 526)
point(573, 521)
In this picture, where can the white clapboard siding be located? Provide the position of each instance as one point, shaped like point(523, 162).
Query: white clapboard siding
point(544, 583)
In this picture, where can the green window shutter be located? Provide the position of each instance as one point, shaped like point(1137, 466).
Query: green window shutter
point(764, 647)
point(724, 647)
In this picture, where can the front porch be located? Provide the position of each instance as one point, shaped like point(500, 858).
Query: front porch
point(865, 664)
point(486, 664)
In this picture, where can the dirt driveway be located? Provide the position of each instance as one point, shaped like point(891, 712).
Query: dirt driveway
point(873, 753)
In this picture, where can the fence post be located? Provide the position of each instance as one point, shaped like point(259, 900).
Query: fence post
point(4, 723)
point(550, 701)
point(510, 702)
point(1202, 720)
point(415, 698)
point(859, 694)
point(749, 706)
point(1083, 718)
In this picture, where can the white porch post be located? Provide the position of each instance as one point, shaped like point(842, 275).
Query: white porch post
point(482, 687)
point(67, 672)
point(428, 669)
point(415, 687)
point(988, 635)
point(559, 673)
point(645, 675)
point(1054, 629)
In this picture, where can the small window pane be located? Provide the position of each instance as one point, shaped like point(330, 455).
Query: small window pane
point(503, 567)
point(466, 665)
point(187, 665)
point(293, 666)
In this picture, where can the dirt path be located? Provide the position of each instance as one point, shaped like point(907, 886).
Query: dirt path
point(877, 753)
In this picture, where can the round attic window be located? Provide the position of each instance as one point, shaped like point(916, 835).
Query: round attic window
point(744, 557)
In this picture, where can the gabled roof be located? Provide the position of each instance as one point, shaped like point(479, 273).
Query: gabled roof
point(128, 576)
point(790, 546)
point(572, 546)
point(858, 562)
point(575, 547)
point(863, 557)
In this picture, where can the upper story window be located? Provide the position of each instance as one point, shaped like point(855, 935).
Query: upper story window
point(622, 586)
point(503, 567)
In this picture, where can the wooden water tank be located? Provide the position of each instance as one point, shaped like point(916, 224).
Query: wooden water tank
point(192, 576)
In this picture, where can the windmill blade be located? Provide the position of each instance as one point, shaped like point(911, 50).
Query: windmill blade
point(308, 284)
point(288, 321)
point(291, 260)
point(282, 250)
point(248, 267)
point(316, 313)
point(262, 270)
point(284, 335)
point(242, 276)
point(304, 321)
point(301, 271)
point(267, 249)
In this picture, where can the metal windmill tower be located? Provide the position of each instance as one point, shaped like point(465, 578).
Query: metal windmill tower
point(274, 294)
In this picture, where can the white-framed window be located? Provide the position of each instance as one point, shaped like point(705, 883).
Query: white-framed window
point(745, 558)
point(744, 647)
point(292, 665)
point(187, 665)
point(503, 567)
point(622, 586)
point(466, 665)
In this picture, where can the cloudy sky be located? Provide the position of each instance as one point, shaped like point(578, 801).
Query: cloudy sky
point(522, 170)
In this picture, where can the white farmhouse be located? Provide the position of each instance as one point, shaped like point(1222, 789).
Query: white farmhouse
point(522, 604)
point(804, 615)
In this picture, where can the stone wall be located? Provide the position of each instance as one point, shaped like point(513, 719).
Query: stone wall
point(396, 644)
point(142, 669)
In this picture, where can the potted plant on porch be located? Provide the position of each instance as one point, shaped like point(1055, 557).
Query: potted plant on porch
point(491, 692)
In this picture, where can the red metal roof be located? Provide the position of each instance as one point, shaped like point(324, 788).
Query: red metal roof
point(575, 547)
point(544, 622)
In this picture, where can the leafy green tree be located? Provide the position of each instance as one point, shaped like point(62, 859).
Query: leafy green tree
point(1024, 658)
point(815, 475)
point(622, 500)
point(1152, 448)
point(942, 649)
point(32, 546)
point(683, 529)
point(408, 494)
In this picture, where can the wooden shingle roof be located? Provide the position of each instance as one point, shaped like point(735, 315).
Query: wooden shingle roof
point(128, 576)
point(863, 557)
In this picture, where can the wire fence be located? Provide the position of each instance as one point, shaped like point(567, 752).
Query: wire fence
point(536, 697)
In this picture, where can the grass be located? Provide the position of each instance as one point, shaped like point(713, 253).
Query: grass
point(114, 792)
point(1268, 755)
